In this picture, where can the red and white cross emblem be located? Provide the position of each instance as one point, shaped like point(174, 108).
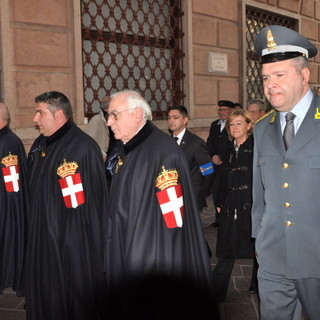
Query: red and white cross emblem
point(171, 204)
point(11, 178)
point(72, 190)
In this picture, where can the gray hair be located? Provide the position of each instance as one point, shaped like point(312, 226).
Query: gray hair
point(135, 100)
point(299, 63)
point(261, 103)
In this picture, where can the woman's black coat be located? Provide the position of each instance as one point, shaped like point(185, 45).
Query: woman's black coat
point(234, 234)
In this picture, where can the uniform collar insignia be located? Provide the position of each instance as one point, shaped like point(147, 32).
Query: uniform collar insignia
point(273, 118)
point(317, 114)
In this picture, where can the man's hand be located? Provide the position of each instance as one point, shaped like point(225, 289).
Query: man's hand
point(216, 159)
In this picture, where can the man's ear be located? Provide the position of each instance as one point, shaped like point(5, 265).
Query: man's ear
point(306, 75)
point(59, 115)
point(185, 120)
point(138, 114)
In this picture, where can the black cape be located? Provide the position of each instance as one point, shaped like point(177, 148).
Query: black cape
point(13, 213)
point(64, 277)
point(155, 272)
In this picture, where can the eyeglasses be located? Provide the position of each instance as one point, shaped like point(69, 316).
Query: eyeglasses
point(114, 114)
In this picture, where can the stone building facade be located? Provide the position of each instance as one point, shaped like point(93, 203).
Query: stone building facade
point(41, 50)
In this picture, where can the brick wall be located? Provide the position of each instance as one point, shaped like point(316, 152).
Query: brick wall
point(40, 52)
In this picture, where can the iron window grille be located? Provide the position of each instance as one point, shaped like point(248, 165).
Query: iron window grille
point(134, 44)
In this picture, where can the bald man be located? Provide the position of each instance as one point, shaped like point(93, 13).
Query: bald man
point(13, 209)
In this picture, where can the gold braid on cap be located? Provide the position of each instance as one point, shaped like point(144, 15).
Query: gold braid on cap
point(270, 41)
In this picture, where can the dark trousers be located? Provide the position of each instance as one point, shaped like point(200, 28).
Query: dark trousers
point(221, 278)
point(222, 274)
point(254, 276)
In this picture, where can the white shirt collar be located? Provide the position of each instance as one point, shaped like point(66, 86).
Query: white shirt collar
point(180, 136)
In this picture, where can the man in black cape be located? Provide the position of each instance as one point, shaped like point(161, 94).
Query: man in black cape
point(157, 261)
point(13, 208)
point(68, 199)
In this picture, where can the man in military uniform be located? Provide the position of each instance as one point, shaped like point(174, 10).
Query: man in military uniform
point(286, 178)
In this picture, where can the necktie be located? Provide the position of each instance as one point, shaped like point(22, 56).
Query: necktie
point(176, 139)
point(288, 132)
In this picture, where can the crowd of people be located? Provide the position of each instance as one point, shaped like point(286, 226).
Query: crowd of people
point(105, 224)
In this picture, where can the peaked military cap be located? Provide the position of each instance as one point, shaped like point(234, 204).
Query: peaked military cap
point(277, 43)
point(226, 103)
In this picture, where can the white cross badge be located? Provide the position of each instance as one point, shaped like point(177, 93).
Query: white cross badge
point(171, 204)
point(11, 178)
point(11, 173)
point(170, 198)
point(71, 185)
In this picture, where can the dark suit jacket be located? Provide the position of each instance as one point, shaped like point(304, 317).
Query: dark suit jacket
point(217, 140)
point(217, 143)
point(196, 152)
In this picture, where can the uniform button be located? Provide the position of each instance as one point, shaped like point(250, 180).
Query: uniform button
point(287, 205)
point(285, 185)
point(288, 223)
point(285, 165)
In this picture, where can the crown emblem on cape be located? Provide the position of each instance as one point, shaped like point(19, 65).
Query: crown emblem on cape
point(67, 169)
point(167, 179)
point(10, 160)
point(270, 41)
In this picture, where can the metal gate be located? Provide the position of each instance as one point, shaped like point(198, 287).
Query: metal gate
point(132, 44)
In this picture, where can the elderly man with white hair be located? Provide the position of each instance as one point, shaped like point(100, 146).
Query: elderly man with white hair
point(157, 261)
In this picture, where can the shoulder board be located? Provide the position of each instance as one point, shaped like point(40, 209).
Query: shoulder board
point(267, 114)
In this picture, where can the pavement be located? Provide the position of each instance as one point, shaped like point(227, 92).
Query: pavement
point(239, 305)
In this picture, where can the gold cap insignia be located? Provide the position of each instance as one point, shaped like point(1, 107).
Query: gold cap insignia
point(10, 160)
point(270, 41)
point(67, 169)
point(167, 179)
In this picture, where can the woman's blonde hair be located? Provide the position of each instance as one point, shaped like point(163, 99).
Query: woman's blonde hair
point(239, 112)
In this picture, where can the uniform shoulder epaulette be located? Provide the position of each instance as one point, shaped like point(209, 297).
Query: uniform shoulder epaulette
point(265, 115)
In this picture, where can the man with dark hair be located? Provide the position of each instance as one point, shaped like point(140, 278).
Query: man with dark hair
point(68, 199)
point(217, 144)
point(286, 178)
point(196, 152)
point(13, 205)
